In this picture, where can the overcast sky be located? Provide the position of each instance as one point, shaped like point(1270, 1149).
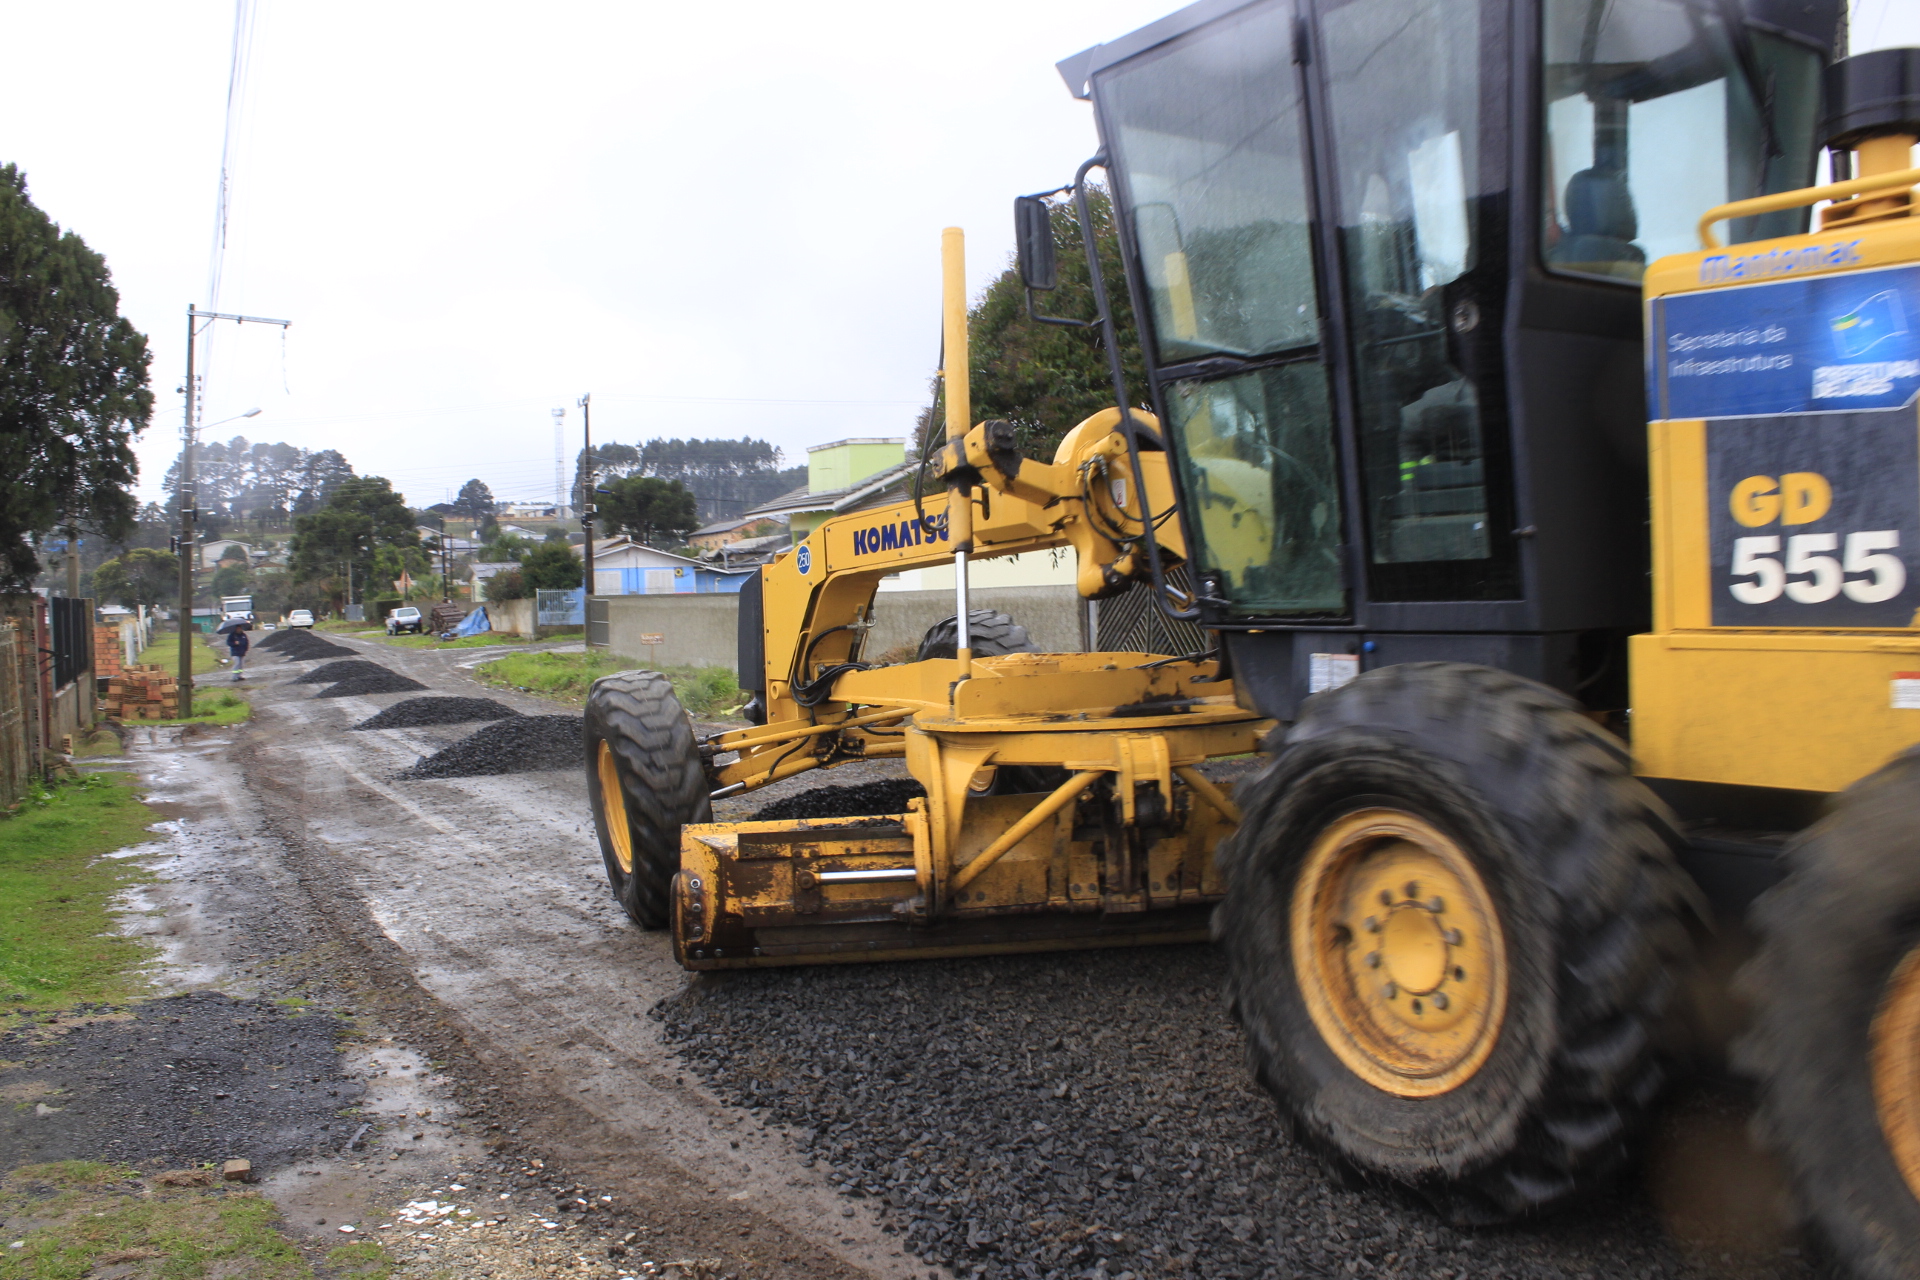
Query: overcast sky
point(719, 219)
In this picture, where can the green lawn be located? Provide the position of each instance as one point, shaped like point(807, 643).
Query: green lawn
point(57, 888)
point(486, 639)
point(566, 677)
point(80, 1218)
point(165, 652)
point(217, 705)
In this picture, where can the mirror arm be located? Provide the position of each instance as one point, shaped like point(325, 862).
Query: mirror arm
point(1129, 427)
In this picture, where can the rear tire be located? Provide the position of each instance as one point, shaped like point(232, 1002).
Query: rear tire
point(645, 780)
point(1473, 828)
point(1836, 1039)
point(993, 633)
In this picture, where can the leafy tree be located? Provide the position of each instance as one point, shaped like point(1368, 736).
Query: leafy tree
point(1046, 379)
point(73, 391)
point(320, 474)
point(143, 576)
point(475, 502)
point(508, 584)
point(648, 508)
point(726, 477)
point(552, 566)
point(234, 580)
point(504, 546)
point(359, 519)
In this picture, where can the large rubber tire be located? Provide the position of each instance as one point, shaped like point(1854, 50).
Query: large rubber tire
point(1574, 859)
point(640, 736)
point(1833, 935)
point(993, 633)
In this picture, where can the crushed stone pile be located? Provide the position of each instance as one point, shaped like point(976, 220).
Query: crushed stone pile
point(328, 672)
point(520, 744)
point(890, 795)
point(379, 681)
point(309, 646)
point(1061, 1118)
point(416, 712)
point(274, 639)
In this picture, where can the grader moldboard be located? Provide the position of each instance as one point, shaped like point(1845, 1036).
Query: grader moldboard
point(1390, 260)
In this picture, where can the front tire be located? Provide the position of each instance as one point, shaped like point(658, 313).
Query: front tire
point(1836, 1037)
point(1453, 921)
point(645, 780)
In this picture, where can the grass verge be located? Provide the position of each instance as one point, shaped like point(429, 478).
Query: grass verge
point(566, 677)
point(211, 706)
point(79, 1217)
point(485, 640)
point(165, 652)
point(57, 889)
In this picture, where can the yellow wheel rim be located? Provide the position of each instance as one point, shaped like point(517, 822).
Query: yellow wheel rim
point(613, 809)
point(1896, 1067)
point(1399, 954)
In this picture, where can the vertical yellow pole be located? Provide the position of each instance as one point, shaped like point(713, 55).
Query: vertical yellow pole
point(953, 264)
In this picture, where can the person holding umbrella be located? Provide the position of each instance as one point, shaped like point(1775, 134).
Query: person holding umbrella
point(235, 630)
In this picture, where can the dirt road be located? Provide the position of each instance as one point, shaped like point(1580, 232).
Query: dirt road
point(1081, 1116)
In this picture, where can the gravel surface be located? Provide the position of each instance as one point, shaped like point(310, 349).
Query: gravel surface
point(1087, 1115)
point(416, 712)
point(328, 672)
point(379, 680)
point(517, 745)
point(887, 796)
point(245, 1079)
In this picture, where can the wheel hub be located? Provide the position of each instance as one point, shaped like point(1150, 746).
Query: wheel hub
point(613, 808)
point(1896, 1067)
point(1398, 952)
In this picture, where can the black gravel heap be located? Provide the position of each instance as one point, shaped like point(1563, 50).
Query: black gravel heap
point(273, 639)
point(328, 672)
point(517, 745)
point(1085, 1115)
point(415, 712)
point(887, 796)
point(379, 680)
point(310, 646)
point(182, 1081)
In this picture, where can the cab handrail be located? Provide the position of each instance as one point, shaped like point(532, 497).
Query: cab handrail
point(1805, 195)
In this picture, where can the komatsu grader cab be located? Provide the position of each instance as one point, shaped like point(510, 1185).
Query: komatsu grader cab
point(1558, 567)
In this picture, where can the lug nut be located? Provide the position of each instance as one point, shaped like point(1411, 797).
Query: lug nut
point(1413, 888)
point(1436, 905)
point(1373, 959)
point(1439, 999)
point(1372, 924)
point(1390, 990)
point(1452, 937)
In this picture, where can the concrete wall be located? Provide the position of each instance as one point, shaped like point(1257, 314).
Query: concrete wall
point(703, 630)
point(515, 617)
point(695, 630)
point(1050, 614)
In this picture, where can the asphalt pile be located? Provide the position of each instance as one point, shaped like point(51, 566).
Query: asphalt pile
point(275, 639)
point(178, 1081)
point(379, 680)
point(520, 744)
point(1087, 1115)
point(304, 646)
point(415, 713)
point(328, 672)
point(890, 795)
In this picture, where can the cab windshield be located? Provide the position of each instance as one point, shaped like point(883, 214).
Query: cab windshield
point(1656, 111)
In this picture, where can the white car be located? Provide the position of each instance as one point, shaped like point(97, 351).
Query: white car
point(300, 618)
point(407, 619)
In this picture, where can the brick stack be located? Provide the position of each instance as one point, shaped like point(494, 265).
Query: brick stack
point(108, 660)
point(143, 692)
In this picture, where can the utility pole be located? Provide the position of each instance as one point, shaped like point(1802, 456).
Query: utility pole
point(188, 553)
point(586, 485)
point(559, 464)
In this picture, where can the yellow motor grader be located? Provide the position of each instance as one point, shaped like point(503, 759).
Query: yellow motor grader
point(1480, 458)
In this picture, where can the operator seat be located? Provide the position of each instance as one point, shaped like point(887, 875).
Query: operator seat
point(1601, 226)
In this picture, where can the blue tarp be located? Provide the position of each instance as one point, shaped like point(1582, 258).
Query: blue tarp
point(474, 623)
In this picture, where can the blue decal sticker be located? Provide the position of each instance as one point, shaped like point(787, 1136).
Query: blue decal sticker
point(1828, 344)
point(803, 559)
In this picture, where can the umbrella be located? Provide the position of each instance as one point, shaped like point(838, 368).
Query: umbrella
point(233, 624)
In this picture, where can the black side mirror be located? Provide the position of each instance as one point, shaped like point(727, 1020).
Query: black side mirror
point(1033, 238)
